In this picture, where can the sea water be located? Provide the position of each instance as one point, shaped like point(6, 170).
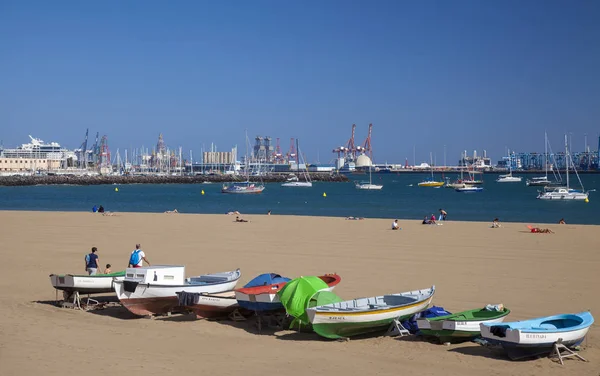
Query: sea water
point(400, 197)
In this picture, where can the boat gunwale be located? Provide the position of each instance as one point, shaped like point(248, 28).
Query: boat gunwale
point(505, 313)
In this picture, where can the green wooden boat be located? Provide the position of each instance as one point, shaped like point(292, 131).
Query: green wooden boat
point(462, 326)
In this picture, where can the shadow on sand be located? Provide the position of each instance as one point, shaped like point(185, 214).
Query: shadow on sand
point(481, 351)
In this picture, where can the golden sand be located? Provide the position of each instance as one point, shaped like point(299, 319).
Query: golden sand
point(471, 265)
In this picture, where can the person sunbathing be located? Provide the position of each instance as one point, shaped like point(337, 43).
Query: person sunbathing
point(238, 219)
point(354, 218)
point(537, 230)
point(108, 214)
point(174, 211)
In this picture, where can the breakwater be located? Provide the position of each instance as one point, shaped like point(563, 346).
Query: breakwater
point(154, 179)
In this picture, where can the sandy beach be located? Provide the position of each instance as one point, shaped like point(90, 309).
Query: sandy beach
point(471, 265)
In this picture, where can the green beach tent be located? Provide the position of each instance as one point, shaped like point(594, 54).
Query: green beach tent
point(297, 293)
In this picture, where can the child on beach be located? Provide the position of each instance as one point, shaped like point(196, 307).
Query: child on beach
point(107, 269)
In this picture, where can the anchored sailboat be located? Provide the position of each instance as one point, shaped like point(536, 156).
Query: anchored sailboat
point(566, 193)
point(509, 178)
point(294, 181)
point(246, 186)
point(368, 186)
point(431, 182)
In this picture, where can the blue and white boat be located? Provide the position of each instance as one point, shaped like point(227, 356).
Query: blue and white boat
point(529, 338)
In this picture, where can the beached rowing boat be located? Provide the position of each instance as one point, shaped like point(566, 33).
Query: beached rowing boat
point(209, 306)
point(85, 284)
point(151, 290)
point(260, 294)
point(530, 338)
point(364, 315)
point(461, 326)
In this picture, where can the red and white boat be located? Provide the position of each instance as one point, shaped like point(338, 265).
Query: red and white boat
point(152, 290)
point(262, 298)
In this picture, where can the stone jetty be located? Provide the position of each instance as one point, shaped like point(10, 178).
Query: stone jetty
point(153, 179)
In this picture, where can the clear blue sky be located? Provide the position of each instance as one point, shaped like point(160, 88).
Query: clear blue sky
point(465, 74)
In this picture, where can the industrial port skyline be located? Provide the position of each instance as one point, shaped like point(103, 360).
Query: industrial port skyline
point(278, 150)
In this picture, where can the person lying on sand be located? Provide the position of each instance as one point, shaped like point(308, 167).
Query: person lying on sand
point(354, 218)
point(174, 211)
point(233, 213)
point(238, 219)
point(108, 214)
point(537, 230)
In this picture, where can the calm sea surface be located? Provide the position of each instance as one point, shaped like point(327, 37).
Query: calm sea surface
point(508, 201)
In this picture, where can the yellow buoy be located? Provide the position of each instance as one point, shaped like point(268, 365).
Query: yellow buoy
point(116, 189)
point(202, 193)
point(324, 194)
point(586, 200)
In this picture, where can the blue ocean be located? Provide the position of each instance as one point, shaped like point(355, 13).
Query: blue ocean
point(399, 198)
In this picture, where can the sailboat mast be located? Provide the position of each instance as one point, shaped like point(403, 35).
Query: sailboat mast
point(567, 161)
point(546, 154)
point(297, 158)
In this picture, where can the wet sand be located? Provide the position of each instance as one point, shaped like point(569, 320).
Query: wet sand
point(471, 265)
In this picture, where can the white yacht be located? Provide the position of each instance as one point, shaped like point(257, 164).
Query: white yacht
point(509, 178)
point(565, 193)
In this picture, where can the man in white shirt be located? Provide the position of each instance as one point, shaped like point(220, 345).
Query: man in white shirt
point(395, 225)
point(137, 258)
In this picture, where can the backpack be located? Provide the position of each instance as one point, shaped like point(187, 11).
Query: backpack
point(87, 259)
point(135, 257)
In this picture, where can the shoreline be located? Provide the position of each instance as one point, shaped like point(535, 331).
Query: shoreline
point(251, 215)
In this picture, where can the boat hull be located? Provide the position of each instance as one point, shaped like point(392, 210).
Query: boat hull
point(265, 298)
point(454, 330)
point(431, 184)
point(150, 299)
point(297, 184)
point(338, 324)
point(84, 284)
point(212, 306)
point(538, 336)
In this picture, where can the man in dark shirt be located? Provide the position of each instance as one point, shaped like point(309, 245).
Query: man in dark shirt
point(91, 262)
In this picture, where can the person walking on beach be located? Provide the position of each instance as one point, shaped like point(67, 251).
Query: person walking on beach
point(91, 262)
point(137, 258)
point(443, 215)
